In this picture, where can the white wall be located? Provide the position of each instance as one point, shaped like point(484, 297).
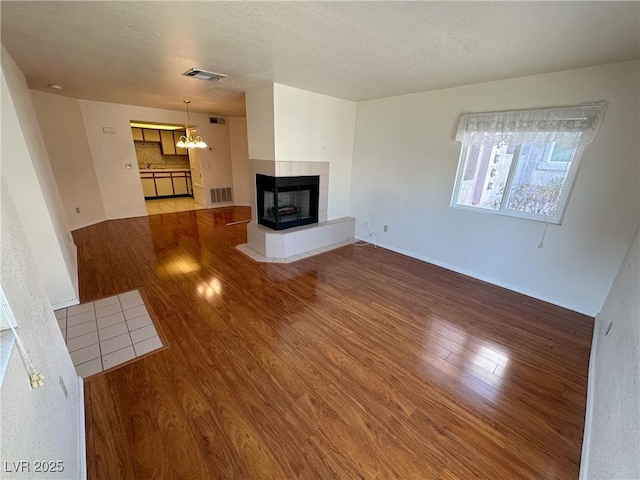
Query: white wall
point(310, 127)
point(29, 177)
point(242, 182)
point(611, 446)
point(43, 423)
point(405, 160)
point(63, 130)
point(219, 166)
point(259, 106)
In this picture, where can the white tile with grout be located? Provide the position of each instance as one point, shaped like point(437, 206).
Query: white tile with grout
point(108, 332)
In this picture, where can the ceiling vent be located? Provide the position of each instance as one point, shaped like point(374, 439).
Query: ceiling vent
point(203, 74)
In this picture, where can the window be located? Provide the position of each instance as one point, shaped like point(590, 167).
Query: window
point(523, 163)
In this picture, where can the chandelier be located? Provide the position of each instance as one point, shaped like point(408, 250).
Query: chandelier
point(190, 141)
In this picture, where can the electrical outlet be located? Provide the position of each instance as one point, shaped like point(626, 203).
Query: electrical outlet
point(385, 228)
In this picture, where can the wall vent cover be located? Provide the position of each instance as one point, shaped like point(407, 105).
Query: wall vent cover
point(218, 120)
point(221, 195)
point(204, 75)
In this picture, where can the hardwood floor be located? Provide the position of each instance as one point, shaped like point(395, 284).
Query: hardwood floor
point(356, 363)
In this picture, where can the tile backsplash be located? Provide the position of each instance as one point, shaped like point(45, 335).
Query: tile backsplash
point(149, 152)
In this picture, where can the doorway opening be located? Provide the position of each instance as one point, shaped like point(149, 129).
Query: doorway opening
point(167, 172)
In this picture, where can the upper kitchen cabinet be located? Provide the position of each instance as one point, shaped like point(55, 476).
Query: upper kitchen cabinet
point(176, 138)
point(166, 138)
point(151, 135)
point(137, 134)
point(167, 142)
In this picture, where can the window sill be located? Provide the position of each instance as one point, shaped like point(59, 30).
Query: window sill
point(508, 213)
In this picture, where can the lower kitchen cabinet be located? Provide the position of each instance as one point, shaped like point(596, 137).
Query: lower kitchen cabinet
point(166, 183)
point(148, 187)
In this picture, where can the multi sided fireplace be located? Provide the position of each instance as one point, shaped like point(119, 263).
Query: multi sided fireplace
point(285, 202)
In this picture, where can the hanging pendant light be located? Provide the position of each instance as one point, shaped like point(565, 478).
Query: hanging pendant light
point(191, 141)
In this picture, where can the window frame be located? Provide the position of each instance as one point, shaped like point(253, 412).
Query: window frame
point(562, 201)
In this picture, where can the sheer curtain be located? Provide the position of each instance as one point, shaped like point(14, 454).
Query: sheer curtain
point(566, 126)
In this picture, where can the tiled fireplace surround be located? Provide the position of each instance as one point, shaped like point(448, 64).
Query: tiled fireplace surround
point(267, 245)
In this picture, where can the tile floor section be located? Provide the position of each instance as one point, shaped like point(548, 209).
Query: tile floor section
point(107, 332)
point(171, 205)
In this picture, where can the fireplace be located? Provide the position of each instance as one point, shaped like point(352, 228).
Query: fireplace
point(285, 202)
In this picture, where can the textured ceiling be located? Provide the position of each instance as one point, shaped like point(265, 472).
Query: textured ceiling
point(135, 52)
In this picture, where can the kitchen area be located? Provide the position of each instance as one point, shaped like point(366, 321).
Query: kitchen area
point(165, 168)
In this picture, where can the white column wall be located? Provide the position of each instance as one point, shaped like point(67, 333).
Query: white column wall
point(44, 423)
point(611, 447)
point(30, 180)
point(310, 127)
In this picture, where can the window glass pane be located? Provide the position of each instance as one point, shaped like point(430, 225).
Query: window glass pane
point(539, 178)
point(560, 155)
point(484, 177)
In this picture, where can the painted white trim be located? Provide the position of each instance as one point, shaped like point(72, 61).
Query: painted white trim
point(122, 217)
point(588, 416)
point(219, 204)
point(493, 281)
point(82, 441)
point(69, 303)
point(76, 274)
point(89, 224)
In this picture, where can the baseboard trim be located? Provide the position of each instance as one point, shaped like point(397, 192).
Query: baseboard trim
point(591, 380)
point(493, 281)
point(88, 224)
point(82, 440)
point(70, 303)
point(91, 224)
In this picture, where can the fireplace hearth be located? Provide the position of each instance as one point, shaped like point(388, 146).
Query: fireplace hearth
point(286, 202)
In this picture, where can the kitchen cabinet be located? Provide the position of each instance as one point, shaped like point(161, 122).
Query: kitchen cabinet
point(164, 185)
point(176, 138)
point(151, 135)
point(136, 133)
point(166, 138)
point(148, 187)
point(167, 142)
point(157, 183)
point(181, 185)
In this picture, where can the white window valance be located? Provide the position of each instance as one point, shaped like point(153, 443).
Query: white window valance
point(566, 126)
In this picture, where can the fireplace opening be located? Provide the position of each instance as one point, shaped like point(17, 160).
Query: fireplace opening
point(285, 202)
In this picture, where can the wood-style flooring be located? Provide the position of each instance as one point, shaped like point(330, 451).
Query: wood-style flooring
point(356, 363)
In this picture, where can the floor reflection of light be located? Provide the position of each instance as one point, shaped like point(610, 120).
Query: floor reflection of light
point(493, 355)
point(182, 264)
point(493, 361)
point(481, 365)
point(210, 288)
